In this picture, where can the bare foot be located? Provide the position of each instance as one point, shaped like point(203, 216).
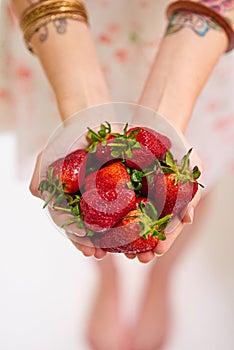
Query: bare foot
point(105, 330)
point(151, 328)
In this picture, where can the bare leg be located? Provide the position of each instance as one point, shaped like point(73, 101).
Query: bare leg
point(105, 330)
point(153, 324)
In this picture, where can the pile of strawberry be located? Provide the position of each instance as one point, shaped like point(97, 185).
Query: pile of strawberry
point(123, 189)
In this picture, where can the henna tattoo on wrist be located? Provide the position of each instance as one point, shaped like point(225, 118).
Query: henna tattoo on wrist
point(199, 23)
point(60, 25)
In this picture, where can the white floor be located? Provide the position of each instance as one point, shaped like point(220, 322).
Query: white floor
point(46, 286)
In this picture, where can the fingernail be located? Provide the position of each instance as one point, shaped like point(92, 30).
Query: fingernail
point(191, 215)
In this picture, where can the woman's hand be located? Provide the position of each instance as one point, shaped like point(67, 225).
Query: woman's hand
point(177, 138)
point(83, 244)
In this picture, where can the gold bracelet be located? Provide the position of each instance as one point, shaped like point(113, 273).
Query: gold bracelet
point(40, 14)
point(38, 10)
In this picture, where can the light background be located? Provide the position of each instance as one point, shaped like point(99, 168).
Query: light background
point(47, 287)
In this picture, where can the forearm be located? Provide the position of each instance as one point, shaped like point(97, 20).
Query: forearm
point(70, 62)
point(181, 68)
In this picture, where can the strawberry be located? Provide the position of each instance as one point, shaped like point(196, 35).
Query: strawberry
point(143, 182)
point(103, 153)
point(65, 175)
point(112, 176)
point(141, 201)
point(90, 181)
point(139, 231)
point(153, 146)
point(148, 186)
point(177, 186)
point(101, 209)
point(100, 141)
point(108, 146)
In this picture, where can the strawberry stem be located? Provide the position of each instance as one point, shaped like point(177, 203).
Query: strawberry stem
point(50, 198)
point(63, 209)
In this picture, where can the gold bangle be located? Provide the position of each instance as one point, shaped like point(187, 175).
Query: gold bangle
point(40, 14)
point(38, 10)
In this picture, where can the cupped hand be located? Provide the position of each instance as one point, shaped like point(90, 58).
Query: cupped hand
point(87, 248)
point(84, 244)
point(188, 214)
point(66, 135)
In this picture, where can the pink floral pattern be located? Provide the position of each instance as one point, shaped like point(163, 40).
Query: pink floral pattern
point(127, 35)
point(219, 5)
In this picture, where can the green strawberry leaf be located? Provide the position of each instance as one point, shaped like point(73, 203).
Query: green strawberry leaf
point(102, 133)
point(125, 130)
point(116, 153)
point(104, 143)
point(151, 211)
point(59, 198)
point(163, 222)
point(92, 148)
point(137, 176)
point(93, 136)
point(90, 233)
point(185, 162)
point(160, 235)
point(128, 153)
point(168, 170)
point(196, 173)
point(170, 159)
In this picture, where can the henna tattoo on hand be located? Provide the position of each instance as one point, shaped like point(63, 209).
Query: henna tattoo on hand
point(199, 23)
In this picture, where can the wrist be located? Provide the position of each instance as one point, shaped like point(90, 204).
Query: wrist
point(176, 110)
point(80, 96)
point(70, 104)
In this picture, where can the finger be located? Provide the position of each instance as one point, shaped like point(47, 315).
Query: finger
point(99, 253)
point(86, 250)
point(163, 246)
point(189, 214)
point(145, 257)
point(36, 178)
point(86, 247)
point(130, 256)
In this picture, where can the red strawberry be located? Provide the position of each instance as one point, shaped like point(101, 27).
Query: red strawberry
point(100, 142)
point(112, 176)
point(65, 176)
point(108, 146)
point(141, 200)
point(90, 181)
point(71, 170)
point(177, 186)
point(103, 153)
point(101, 210)
point(148, 186)
point(136, 233)
point(153, 146)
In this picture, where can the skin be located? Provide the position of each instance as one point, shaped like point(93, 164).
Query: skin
point(172, 89)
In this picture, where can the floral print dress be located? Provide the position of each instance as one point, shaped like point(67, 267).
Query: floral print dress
point(127, 35)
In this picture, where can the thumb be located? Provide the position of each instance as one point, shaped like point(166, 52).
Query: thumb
point(36, 177)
